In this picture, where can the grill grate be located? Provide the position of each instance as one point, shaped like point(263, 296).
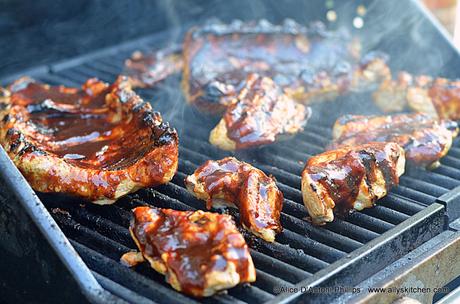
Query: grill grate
point(301, 251)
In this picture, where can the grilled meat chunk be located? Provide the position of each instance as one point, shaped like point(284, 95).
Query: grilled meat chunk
point(424, 139)
point(145, 70)
point(310, 64)
point(99, 142)
point(350, 178)
point(439, 98)
point(231, 182)
point(200, 252)
point(261, 115)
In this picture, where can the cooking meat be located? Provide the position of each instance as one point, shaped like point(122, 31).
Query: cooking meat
point(439, 98)
point(200, 252)
point(310, 64)
point(99, 142)
point(350, 178)
point(231, 182)
point(424, 139)
point(261, 115)
point(147, 69)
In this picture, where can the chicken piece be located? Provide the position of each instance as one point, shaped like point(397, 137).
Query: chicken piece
point(200, 252)
point(350, 178)
point(99, 142)
point(230, 182)
point(261, 116)
point(145, 70)
point(309, 64)
point(439, 98)
point(424, 139)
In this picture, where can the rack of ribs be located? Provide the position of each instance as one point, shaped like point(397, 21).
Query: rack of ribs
point(309, 63)
point(98, 142)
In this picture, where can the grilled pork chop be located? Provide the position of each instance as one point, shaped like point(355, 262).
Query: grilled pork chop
point(99, 142)
point(261, 115)
point(350, 178)
point(200, 252)
point(231, 182)
point(439, 98)
point(424, 139)
point(147, 69)
point(310, 64)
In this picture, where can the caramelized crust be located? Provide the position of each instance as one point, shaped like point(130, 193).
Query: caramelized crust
point(234, 183)
point(310, 64)
point(350, 178)
point(99, 142)
point(261, 114)
point(439, 98)
point(424, 139)
point(145, 70)
point(200, 252)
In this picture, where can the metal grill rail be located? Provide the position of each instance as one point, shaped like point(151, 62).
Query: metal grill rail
point(100, 234)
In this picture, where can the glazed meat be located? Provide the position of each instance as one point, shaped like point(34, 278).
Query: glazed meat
point(231, 182)
point(424, 139)
point(310, 64)
point(147, 69)
point(350, 178)
point(439, 98)
point(200, 252)
point(99, 142)
point(261, 115)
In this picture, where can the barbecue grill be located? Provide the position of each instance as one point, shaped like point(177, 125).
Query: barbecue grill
point(56, 247)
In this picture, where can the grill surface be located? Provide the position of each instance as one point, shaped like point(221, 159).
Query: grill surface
point(303, 254)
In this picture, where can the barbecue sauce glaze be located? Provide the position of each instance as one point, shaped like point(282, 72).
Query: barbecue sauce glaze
point(445, 95)
point(194, 246)
point(106, 130)
point(343, 176)
point(238, 183)
point(218, 58)
point(262, 114)
point(424, 139)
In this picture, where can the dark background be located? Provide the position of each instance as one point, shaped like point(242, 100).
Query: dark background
point(34, 33)
point(37, 32)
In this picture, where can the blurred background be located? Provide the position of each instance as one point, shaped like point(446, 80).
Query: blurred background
point(38, 32)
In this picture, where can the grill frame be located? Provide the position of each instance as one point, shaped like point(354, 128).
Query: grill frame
point(431, 221)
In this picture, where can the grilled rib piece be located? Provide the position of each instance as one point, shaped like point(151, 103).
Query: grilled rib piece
point(261, 115)
point(424, 139)
point(350, 178)
point(230, 182)
point(145, 70)
point(200, 252)
point(99, 142)
point(439, 98)
point(310, 64)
